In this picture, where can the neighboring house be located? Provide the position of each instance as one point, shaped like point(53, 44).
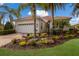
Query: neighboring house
point(26, 24)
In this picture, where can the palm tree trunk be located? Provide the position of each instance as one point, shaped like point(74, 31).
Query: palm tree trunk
point(33, 8)
point(52, 12)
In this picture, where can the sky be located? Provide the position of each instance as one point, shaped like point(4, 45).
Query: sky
point(40, 12)
point(65, 12)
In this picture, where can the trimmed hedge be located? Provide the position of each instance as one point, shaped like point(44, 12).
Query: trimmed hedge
point(5, 32)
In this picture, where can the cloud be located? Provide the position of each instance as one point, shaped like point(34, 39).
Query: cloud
point(74, 21)
point(40, 13)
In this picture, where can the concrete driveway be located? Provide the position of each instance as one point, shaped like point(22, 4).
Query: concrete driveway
point(5, 39)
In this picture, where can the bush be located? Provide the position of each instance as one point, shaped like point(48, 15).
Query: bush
point(8, 26)
point(73, 30)
point(61, 37)
point(43, 35)
point(56, 37)
point(45, 41)
point(18, 36)
point(30, 36)
point(4, 32)
point(67, 36)
point(1, 27)
point(15, 41)
point(72, 35)
point(31, 42)
point(22, 43)
point(50, 41)
point(42, 41)
point(56, 31)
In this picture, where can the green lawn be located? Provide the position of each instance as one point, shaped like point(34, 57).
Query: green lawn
point(69, 48)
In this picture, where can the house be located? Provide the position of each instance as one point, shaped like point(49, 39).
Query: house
point(26, 24)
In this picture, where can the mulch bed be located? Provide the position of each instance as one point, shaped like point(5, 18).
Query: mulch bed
point(17, 47)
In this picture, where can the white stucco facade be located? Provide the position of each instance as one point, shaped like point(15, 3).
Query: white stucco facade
point(25, 26)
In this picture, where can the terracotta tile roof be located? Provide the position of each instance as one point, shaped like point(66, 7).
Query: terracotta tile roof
point(49, 18)
point(28, 18)
point(46, 18)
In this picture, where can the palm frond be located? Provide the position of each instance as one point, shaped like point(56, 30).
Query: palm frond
point(76, 9)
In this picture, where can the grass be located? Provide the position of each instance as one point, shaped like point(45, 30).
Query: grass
point(70, 48)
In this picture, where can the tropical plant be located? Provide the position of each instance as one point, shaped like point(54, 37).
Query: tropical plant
point(10, 12)
point(1, 17)
point(52, 7)
point(33, 12)
point(76, 9)
point(22, 43)
point(8, 26)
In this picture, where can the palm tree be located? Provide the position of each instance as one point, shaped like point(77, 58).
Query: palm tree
point(45, 6)
point(17, 12)
point(2, 14)
point(1, 17)
point(76, 9)
point(33, 8)
point(52, 7)
point(33, 12)
point(10, 12)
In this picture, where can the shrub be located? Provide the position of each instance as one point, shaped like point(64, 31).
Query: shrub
point(1, 32)
point(77, 34)
point(4, 32)
point(42, 41)
point(18, 37)
point(72, 35)
point(15, 41)
point(73, 30)
point(77, 31)
point(10, 31)
point(8, 26)
point(22, 43)
point(50, 41)
point(43, 35)
point(56, 31)
point(30, 36)
point(1, 27)
point(61, 37)
point(66, 36)
point(56, 37)
point(31, 42)
point(69, 36)
point(37, 35)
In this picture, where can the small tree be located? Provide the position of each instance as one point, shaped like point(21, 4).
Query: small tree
point(1, 27)
point(8, 26)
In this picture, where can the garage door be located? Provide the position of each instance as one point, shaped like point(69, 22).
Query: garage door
point(25, 28)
